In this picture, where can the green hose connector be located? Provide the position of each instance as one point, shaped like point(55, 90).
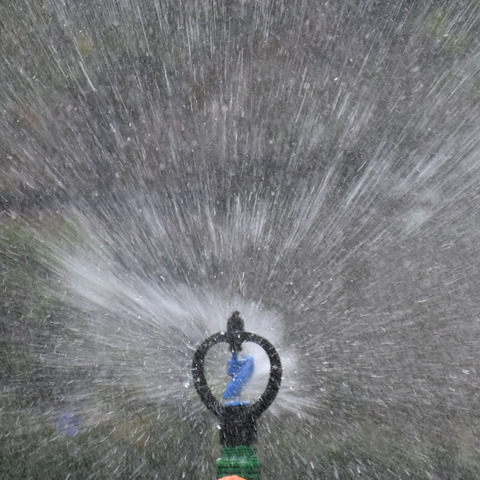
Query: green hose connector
point(242, 460)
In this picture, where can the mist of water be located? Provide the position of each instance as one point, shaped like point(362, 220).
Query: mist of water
point(313, 165)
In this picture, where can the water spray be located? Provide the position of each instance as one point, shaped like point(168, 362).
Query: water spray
point(238, 431)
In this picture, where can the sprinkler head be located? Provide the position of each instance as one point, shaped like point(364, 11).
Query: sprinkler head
point(237, 422)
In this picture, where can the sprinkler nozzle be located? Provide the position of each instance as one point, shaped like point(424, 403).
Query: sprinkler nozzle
point(237, 421)
point(235, 326)
point(238, 431)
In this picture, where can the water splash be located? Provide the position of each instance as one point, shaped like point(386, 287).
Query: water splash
point(315, 167)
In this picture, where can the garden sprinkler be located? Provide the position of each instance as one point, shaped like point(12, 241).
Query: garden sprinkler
point(238, 431)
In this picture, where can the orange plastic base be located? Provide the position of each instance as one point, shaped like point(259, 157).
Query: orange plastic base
point(233, 477)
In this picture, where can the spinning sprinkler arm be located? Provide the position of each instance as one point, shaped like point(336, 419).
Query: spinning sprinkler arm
point(238, 433)
point(241, 370)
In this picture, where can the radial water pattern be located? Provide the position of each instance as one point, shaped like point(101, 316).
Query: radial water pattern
point(314, 165)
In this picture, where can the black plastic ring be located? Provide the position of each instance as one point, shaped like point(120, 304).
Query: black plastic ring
point(200, 382)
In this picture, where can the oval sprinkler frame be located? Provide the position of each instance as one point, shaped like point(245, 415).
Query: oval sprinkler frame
point(237, 422)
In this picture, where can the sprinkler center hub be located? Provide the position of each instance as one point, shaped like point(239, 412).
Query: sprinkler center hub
point(237, 419)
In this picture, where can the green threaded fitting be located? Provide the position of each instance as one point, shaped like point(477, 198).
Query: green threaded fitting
point(242, 461)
